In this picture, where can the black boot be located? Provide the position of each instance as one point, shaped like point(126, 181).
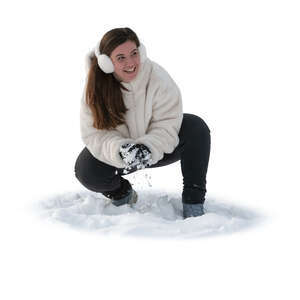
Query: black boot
point(192, 210)
point(123, 195)
point(193, 197)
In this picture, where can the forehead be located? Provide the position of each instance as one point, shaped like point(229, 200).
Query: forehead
point(124, 48)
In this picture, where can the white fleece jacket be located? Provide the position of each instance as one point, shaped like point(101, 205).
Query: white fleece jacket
point(154, 117)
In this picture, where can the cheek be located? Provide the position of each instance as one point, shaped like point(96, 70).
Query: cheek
point(118, 68)
point(137, 60)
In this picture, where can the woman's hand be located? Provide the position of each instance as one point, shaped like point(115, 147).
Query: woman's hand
point(135, 155)
point(143, 155)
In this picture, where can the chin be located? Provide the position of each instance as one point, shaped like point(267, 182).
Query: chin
point(130, 78)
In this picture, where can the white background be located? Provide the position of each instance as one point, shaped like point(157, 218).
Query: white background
point(237, 65)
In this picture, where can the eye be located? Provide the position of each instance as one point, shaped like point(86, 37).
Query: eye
point(120, 57)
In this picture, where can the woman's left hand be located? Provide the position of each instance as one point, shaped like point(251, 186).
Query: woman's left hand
point(144, 156)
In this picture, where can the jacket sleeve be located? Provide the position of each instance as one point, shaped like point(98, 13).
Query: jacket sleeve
point(104, 145)
point(162, 134)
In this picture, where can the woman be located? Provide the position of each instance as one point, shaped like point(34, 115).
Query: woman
point(131, 118)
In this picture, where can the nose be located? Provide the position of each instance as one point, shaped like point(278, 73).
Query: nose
point(130, 62)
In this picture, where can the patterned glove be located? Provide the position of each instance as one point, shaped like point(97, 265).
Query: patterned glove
point(127, 153)
point(144, 156)
point(135, 155)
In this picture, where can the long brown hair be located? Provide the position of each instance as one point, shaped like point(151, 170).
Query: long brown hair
point(103, 91)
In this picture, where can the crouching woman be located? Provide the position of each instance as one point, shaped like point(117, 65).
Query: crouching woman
point(131, 118)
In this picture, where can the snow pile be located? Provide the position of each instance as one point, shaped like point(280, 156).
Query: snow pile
point(156, 214)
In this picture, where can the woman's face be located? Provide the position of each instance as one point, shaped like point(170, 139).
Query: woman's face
point(126, 57)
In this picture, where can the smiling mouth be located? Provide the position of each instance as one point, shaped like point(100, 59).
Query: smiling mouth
point(132, 70)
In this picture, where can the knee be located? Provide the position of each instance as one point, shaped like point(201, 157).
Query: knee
point(195, 125)
point(80, 168)
point(84, 168)
point(93, 174)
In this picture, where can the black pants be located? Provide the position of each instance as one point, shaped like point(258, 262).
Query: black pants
point(193, 152)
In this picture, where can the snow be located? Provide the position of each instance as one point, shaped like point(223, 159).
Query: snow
point(156, 214)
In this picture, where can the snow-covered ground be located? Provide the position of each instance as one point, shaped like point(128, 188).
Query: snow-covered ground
point(157, 213)
point(237, 64)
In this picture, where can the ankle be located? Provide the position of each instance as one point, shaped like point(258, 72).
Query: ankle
point(192, 210)
point(123, 191)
